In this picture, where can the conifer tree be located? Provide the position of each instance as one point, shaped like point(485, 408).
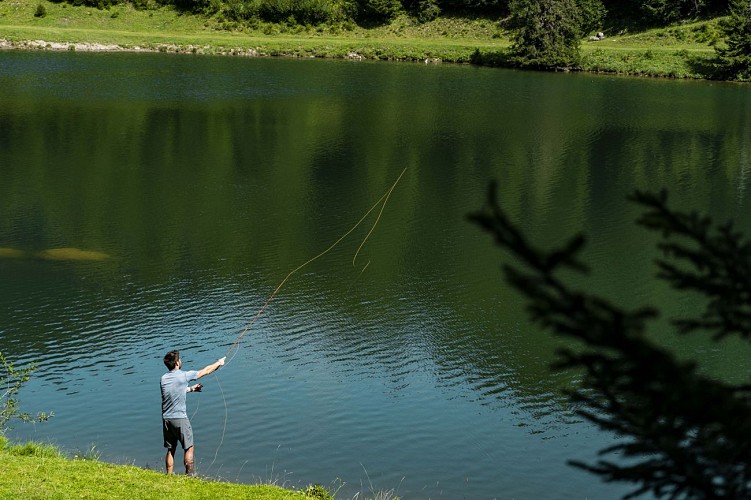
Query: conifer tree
point(734, 61)
point(546, 33)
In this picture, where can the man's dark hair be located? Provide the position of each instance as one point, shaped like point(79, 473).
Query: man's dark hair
point(171, 359)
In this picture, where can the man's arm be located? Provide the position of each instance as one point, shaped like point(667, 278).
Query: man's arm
point(211, 368)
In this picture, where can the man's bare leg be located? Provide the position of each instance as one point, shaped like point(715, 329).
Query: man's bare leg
point(169, 460)
point(189, 467)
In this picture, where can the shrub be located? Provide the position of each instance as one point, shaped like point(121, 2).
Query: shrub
point(140, 4)
point(41, 11)
point(707, 33)
point(491, 8)
point(546, 33)
point(665, 12)
point(99, 4)
point(422, 10)
point(373, 12)
point(239, 10)
point(11, 380)
point(297, 11)
point(187, 5)
point(318, 492)
point(427, 10)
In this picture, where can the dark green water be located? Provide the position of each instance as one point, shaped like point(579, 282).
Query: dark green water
point(207, 180)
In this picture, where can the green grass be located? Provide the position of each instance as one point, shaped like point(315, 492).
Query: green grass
point(667, 63)
point(38, 471)
point(683, 51)
point(166, 30)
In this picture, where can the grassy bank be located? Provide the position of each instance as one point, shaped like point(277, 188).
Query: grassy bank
point(34, 471)
point(166, 30)
point(684, 51)
point(677, 52)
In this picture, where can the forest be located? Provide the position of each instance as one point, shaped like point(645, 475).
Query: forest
point(590, 15)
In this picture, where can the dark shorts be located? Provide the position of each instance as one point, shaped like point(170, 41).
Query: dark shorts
point(177, 429)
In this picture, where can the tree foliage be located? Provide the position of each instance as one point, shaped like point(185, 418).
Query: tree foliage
point(477, 7)
point(592, 15)
point(587, 15)
point(374, 12)
point(546, 33)
point(653, 13)
point(735, 59)
point(682, 434)
point(661, 12)
point(11, 381)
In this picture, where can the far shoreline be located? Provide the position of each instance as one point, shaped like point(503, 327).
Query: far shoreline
point(43, 45)
point(37, 45)
point(123, 29)
point(7, 45)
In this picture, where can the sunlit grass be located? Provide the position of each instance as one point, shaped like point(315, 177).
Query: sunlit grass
point(679, 52)
point(166, 30)
point(648, 62)
point(683, 51)
point(40, 471)
point(35, 470)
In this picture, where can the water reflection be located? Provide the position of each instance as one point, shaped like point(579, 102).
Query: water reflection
point(208, 180)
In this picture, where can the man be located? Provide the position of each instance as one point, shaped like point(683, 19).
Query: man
point(175, 424)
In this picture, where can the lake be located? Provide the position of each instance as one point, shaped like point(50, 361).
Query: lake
point(151, 202)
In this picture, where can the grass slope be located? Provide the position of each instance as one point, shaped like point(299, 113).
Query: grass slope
point(33, 471)
point(166, 30)
point(683, 51)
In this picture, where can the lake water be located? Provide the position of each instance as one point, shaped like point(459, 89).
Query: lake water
point(204, 181)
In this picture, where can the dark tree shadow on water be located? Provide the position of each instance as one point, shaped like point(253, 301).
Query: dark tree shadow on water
point(493, 59)
point(681, 434)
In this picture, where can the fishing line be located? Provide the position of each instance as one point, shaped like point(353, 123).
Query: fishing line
point(224, 429)
point(387, 195)
point(382, 200)
point(198, 405)
point(236, 344)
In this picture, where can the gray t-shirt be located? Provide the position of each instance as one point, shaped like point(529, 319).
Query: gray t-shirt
point(174, 386)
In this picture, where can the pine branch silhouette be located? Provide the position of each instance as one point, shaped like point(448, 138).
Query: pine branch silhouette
point(681, 434)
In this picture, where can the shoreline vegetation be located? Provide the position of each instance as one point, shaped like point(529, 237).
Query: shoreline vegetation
point(684, 50)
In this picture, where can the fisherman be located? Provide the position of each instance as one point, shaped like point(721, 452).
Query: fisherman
point(175, 424)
